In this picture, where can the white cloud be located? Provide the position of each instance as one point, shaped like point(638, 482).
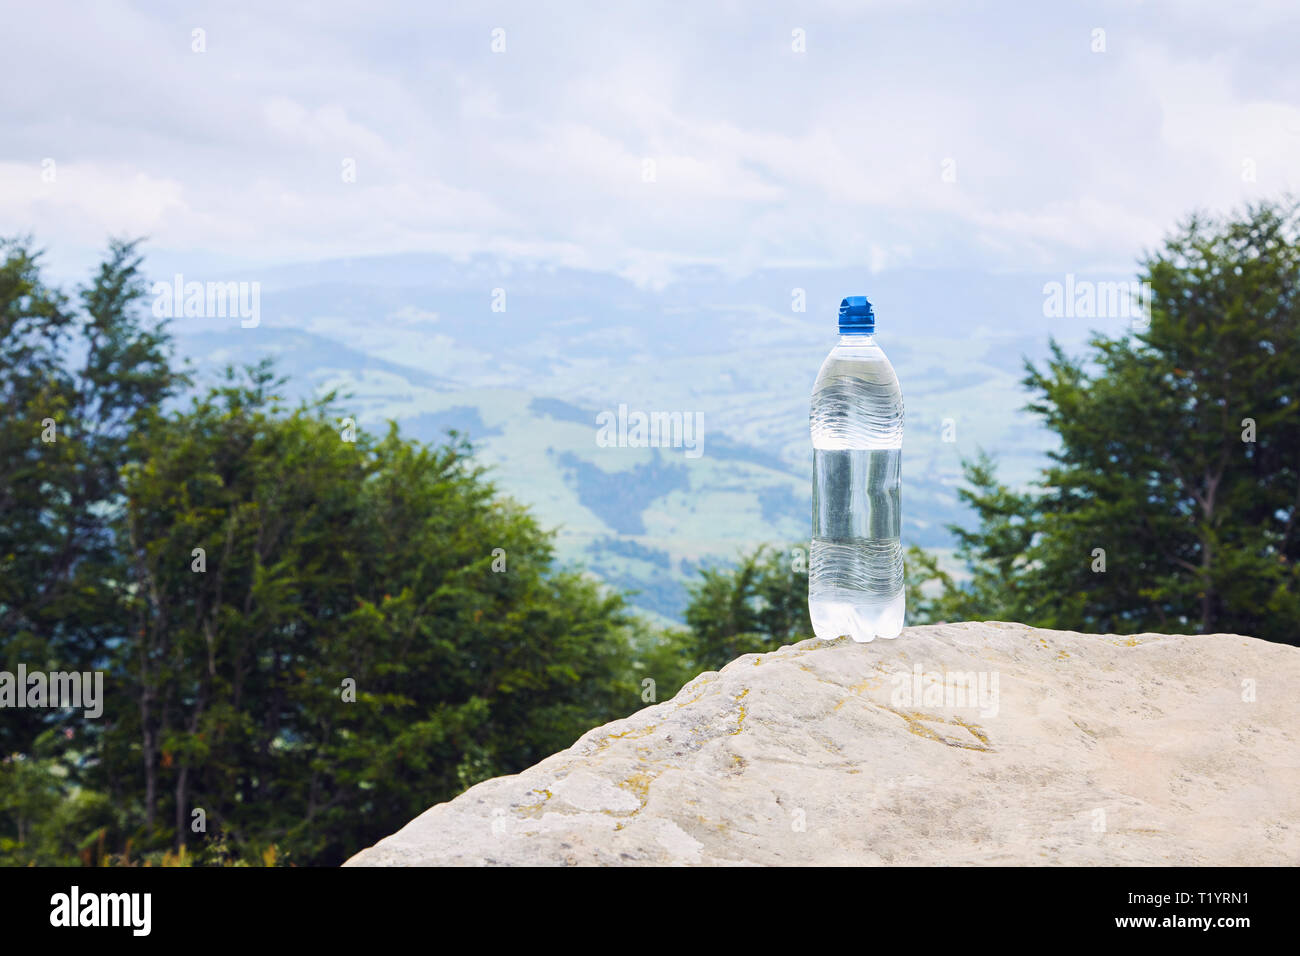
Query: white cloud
point(761, 155)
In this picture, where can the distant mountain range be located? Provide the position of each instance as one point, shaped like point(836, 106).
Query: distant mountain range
point(523, 360)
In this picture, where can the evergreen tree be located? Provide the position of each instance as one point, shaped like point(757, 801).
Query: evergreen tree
point(76, 377)
point(309, 633)
point(1178, 466)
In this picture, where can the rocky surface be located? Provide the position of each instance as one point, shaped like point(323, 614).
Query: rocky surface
point(1081, 749)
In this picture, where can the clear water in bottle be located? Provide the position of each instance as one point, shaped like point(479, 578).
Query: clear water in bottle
point(855, 574)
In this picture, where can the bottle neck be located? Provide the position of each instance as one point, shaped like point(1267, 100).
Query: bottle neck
point(857, 339)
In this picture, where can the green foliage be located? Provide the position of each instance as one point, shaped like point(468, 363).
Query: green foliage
point(926, 587)
point(663, 660)
point(63, 439)
point(757, 606)
point(307, 638)
point(1198, 526)
point(334, 567)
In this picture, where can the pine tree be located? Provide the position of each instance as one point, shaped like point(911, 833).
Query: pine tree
point(1172, 501)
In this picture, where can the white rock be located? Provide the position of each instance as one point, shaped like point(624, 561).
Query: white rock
point(1084, 749)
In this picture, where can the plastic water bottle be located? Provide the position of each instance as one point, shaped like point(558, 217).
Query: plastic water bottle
point(855, 575)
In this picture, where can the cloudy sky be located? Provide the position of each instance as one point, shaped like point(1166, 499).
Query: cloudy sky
point(642, 139)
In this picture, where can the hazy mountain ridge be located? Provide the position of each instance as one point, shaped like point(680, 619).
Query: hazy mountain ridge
point(415, 339)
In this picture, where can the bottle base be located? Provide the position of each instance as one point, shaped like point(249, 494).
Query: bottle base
point(860, 621)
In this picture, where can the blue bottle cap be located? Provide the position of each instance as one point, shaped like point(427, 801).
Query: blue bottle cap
point(857, 316)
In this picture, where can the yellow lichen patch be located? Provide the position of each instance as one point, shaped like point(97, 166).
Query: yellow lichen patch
point(914, 721)
point(719, 825)
point(918, 723)
point(826, 743)
point(744, 711)
point(536, 808)
point(859, 688)
point(632, 734)
point(703, 690)
point(637, 784)
point(975, 731)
